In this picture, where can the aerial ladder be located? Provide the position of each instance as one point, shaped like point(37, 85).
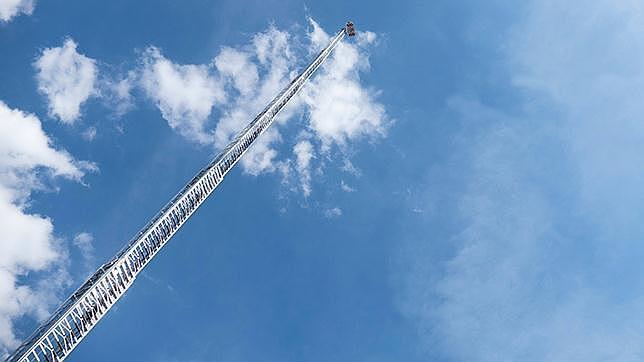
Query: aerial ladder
point(56, 338)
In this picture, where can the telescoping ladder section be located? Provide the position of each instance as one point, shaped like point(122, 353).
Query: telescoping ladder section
point(72, 321)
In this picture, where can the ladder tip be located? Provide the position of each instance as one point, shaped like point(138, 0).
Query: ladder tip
point(350, 29)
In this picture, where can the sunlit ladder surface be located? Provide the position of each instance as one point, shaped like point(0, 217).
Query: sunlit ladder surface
point(55, 339)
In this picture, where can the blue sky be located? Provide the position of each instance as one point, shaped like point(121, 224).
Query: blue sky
point(462, 182)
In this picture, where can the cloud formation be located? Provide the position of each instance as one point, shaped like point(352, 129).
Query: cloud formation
point(27, 161)
point(346, 188)
point(333, 212)
point(303, 151)
point(84, 242)
point(265, 67)
point(240, 82)
point(340, 108)
point(543, 265)
point(185, 94)
point(337, 107)
point(67, 79)
point(117, 93)
point(12, 8)
point(236, 66)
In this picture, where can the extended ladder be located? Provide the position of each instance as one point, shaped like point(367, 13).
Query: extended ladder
point(55, 339)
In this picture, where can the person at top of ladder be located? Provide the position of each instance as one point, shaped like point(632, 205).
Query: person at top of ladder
point(351, 31)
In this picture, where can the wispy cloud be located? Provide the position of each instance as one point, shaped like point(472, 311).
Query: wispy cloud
point(303, 151)
point(84, 242)
point(333, 212)
point(89, 134)
point(543, 265)
point(116, 92)
point(346, 188)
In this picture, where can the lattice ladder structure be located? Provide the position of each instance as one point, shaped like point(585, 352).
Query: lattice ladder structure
point(55, 339)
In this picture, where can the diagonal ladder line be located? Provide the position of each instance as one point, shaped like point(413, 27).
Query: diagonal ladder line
point(55, 339)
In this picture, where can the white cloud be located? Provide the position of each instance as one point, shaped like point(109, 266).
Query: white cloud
point(28, 244)
point(117, 93)
point(11, 8)
point(83, 241)
point(337, 107)
point(317, 37)
point(261, 157)
point(350, 168)
point(269, 54)
point(185, 94)
point(366, 38)
point(303, 151)
point(236, 66)
point(89, 134)
point(340, 108)
point(67, 79)
point(25, 147)
point(333, 212)
point(345, 187)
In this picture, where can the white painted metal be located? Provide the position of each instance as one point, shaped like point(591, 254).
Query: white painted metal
point(72, 321)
